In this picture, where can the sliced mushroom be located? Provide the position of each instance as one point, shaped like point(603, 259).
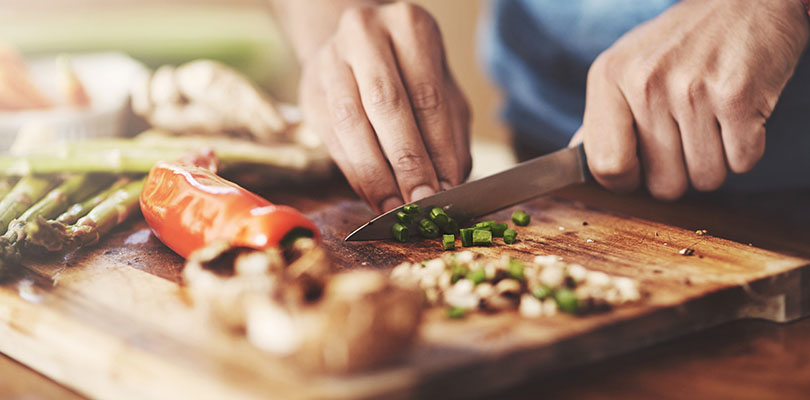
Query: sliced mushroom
point(361, 321)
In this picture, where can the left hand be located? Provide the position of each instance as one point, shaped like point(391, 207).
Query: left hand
point(685, 96)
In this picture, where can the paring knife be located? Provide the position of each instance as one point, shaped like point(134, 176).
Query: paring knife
point(495, 192)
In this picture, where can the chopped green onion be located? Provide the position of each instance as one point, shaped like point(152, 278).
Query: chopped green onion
point(466, 237)
point(567, 300)
point(400, 232)
point(458, 272)
point(482, 238)
point(428, 229)
point(448, 242)
point(543, 292)
point(484, 225)
point(509, 236)
point(411, 209)
point(456, 312)
point(520, 218)
point(404, 217)
point(498, 229)
point(516, 269)
point(438, 216)
point(477, 276)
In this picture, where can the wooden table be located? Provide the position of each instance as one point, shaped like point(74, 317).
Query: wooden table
point(749, 359)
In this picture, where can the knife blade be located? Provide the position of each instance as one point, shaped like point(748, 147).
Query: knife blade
point(495, 192)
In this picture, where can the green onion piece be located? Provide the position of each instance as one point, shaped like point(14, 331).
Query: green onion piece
point(482, 238)
point(411, 209)
point(456, 312)
point(466, 237)
point(458, 272)
point(515, 269)
point(428, 229)
point(520, 218)
point(451, 226)
point(404, 218)
point(567, 300)
point(543, 292)
point(477, 276)
point(400, 232)
point(438, 216)
point(498, 229)
point(509, 236)
point(484, 225)
point(448, 242)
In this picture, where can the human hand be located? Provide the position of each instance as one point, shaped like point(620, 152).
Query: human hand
point(381, 95)
point(685, 96)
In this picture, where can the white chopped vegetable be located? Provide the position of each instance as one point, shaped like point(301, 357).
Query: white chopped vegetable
point(530, 307)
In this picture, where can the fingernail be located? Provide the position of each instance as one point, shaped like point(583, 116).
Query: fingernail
point(420, 192)
point(445, 185)
point(391, 203)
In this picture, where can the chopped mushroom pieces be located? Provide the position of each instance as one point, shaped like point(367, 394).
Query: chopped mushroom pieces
point(294, 304)
point(470, 282)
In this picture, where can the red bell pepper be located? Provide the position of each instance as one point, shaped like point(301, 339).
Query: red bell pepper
point(189, 206)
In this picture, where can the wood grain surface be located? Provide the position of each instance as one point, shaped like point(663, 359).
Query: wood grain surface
point(110, 322)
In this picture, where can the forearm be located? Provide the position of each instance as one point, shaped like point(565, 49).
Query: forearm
point(309, 23)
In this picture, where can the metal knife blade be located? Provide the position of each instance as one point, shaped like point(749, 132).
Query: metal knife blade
point(473, 199)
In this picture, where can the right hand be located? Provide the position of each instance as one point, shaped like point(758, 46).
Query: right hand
point(383, 99)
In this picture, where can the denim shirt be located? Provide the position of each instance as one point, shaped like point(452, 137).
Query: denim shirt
point(539, 51)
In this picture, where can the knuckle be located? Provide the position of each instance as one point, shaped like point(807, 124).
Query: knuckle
point(384, 95)
point(642, 88)
point(426, 97)
point(689, 92)
point(408, 11)
point(356, 17)
point(734, 102)
point(643, 80)
point(408, 162)
point(345, 113)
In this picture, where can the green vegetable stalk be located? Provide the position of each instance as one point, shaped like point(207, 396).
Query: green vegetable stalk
point(26, 192)
point(78, 210)
point(56, 236)
point(140, 154)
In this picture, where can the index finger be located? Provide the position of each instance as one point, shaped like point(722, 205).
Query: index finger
point(608, 130)
point(388, 108)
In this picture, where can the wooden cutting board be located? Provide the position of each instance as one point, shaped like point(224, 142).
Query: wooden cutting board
point(111, 322)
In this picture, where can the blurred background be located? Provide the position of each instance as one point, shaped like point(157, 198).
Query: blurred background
point(242, 34)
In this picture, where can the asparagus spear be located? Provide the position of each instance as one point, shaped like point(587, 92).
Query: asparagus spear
point(5, 187)
point(56, 200)
point(79, 210)
point(27, 191)
point(56, 236)
point(72, 189)
point(138, 155)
